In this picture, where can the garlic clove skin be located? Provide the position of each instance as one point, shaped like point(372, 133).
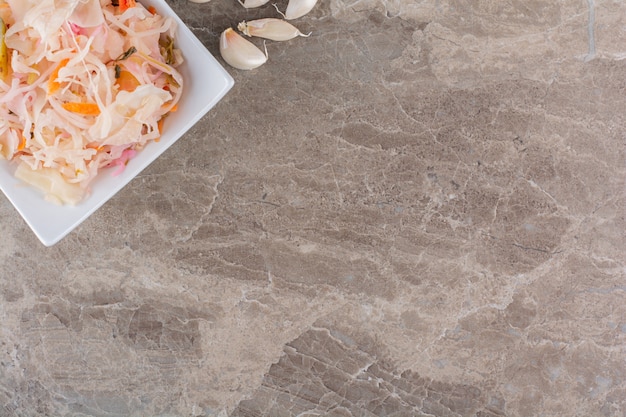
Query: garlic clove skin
point(239, 52)
point(249, 4)
point(298, 8)
point(270, 28)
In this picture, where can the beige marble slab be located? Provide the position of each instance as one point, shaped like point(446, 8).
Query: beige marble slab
point(419, 210)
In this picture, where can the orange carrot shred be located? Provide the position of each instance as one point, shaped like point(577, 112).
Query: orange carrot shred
point(22, 144)
point(127, 4)
point(88, 109)
point(53, 85)
point(160, 125)
point(152, 10)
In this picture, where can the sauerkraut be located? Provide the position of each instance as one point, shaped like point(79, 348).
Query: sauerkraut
point(84, 84)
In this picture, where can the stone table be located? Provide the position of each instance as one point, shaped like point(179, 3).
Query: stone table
point(419, 210)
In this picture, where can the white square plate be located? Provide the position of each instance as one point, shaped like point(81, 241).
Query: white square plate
point(206, 82)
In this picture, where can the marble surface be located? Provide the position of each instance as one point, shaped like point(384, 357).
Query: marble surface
point(419, 210)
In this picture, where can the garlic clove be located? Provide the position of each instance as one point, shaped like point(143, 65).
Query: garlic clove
point(239, 52)
point(249, 4)
point(297, 8)
point(270, 28)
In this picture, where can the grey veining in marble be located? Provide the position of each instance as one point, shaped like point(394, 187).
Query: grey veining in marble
point(419, 210)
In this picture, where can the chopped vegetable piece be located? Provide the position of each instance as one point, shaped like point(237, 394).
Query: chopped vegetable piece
point(167, 50)
point(32, 77)
point(53, 84)
point(127, 54)
point(122, 161)
point(88, 109)
point(160, 124)
point(126, 4)
point(127, 81)
point(4, 54)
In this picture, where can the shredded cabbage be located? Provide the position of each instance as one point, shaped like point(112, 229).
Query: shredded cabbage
point(86, 85)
